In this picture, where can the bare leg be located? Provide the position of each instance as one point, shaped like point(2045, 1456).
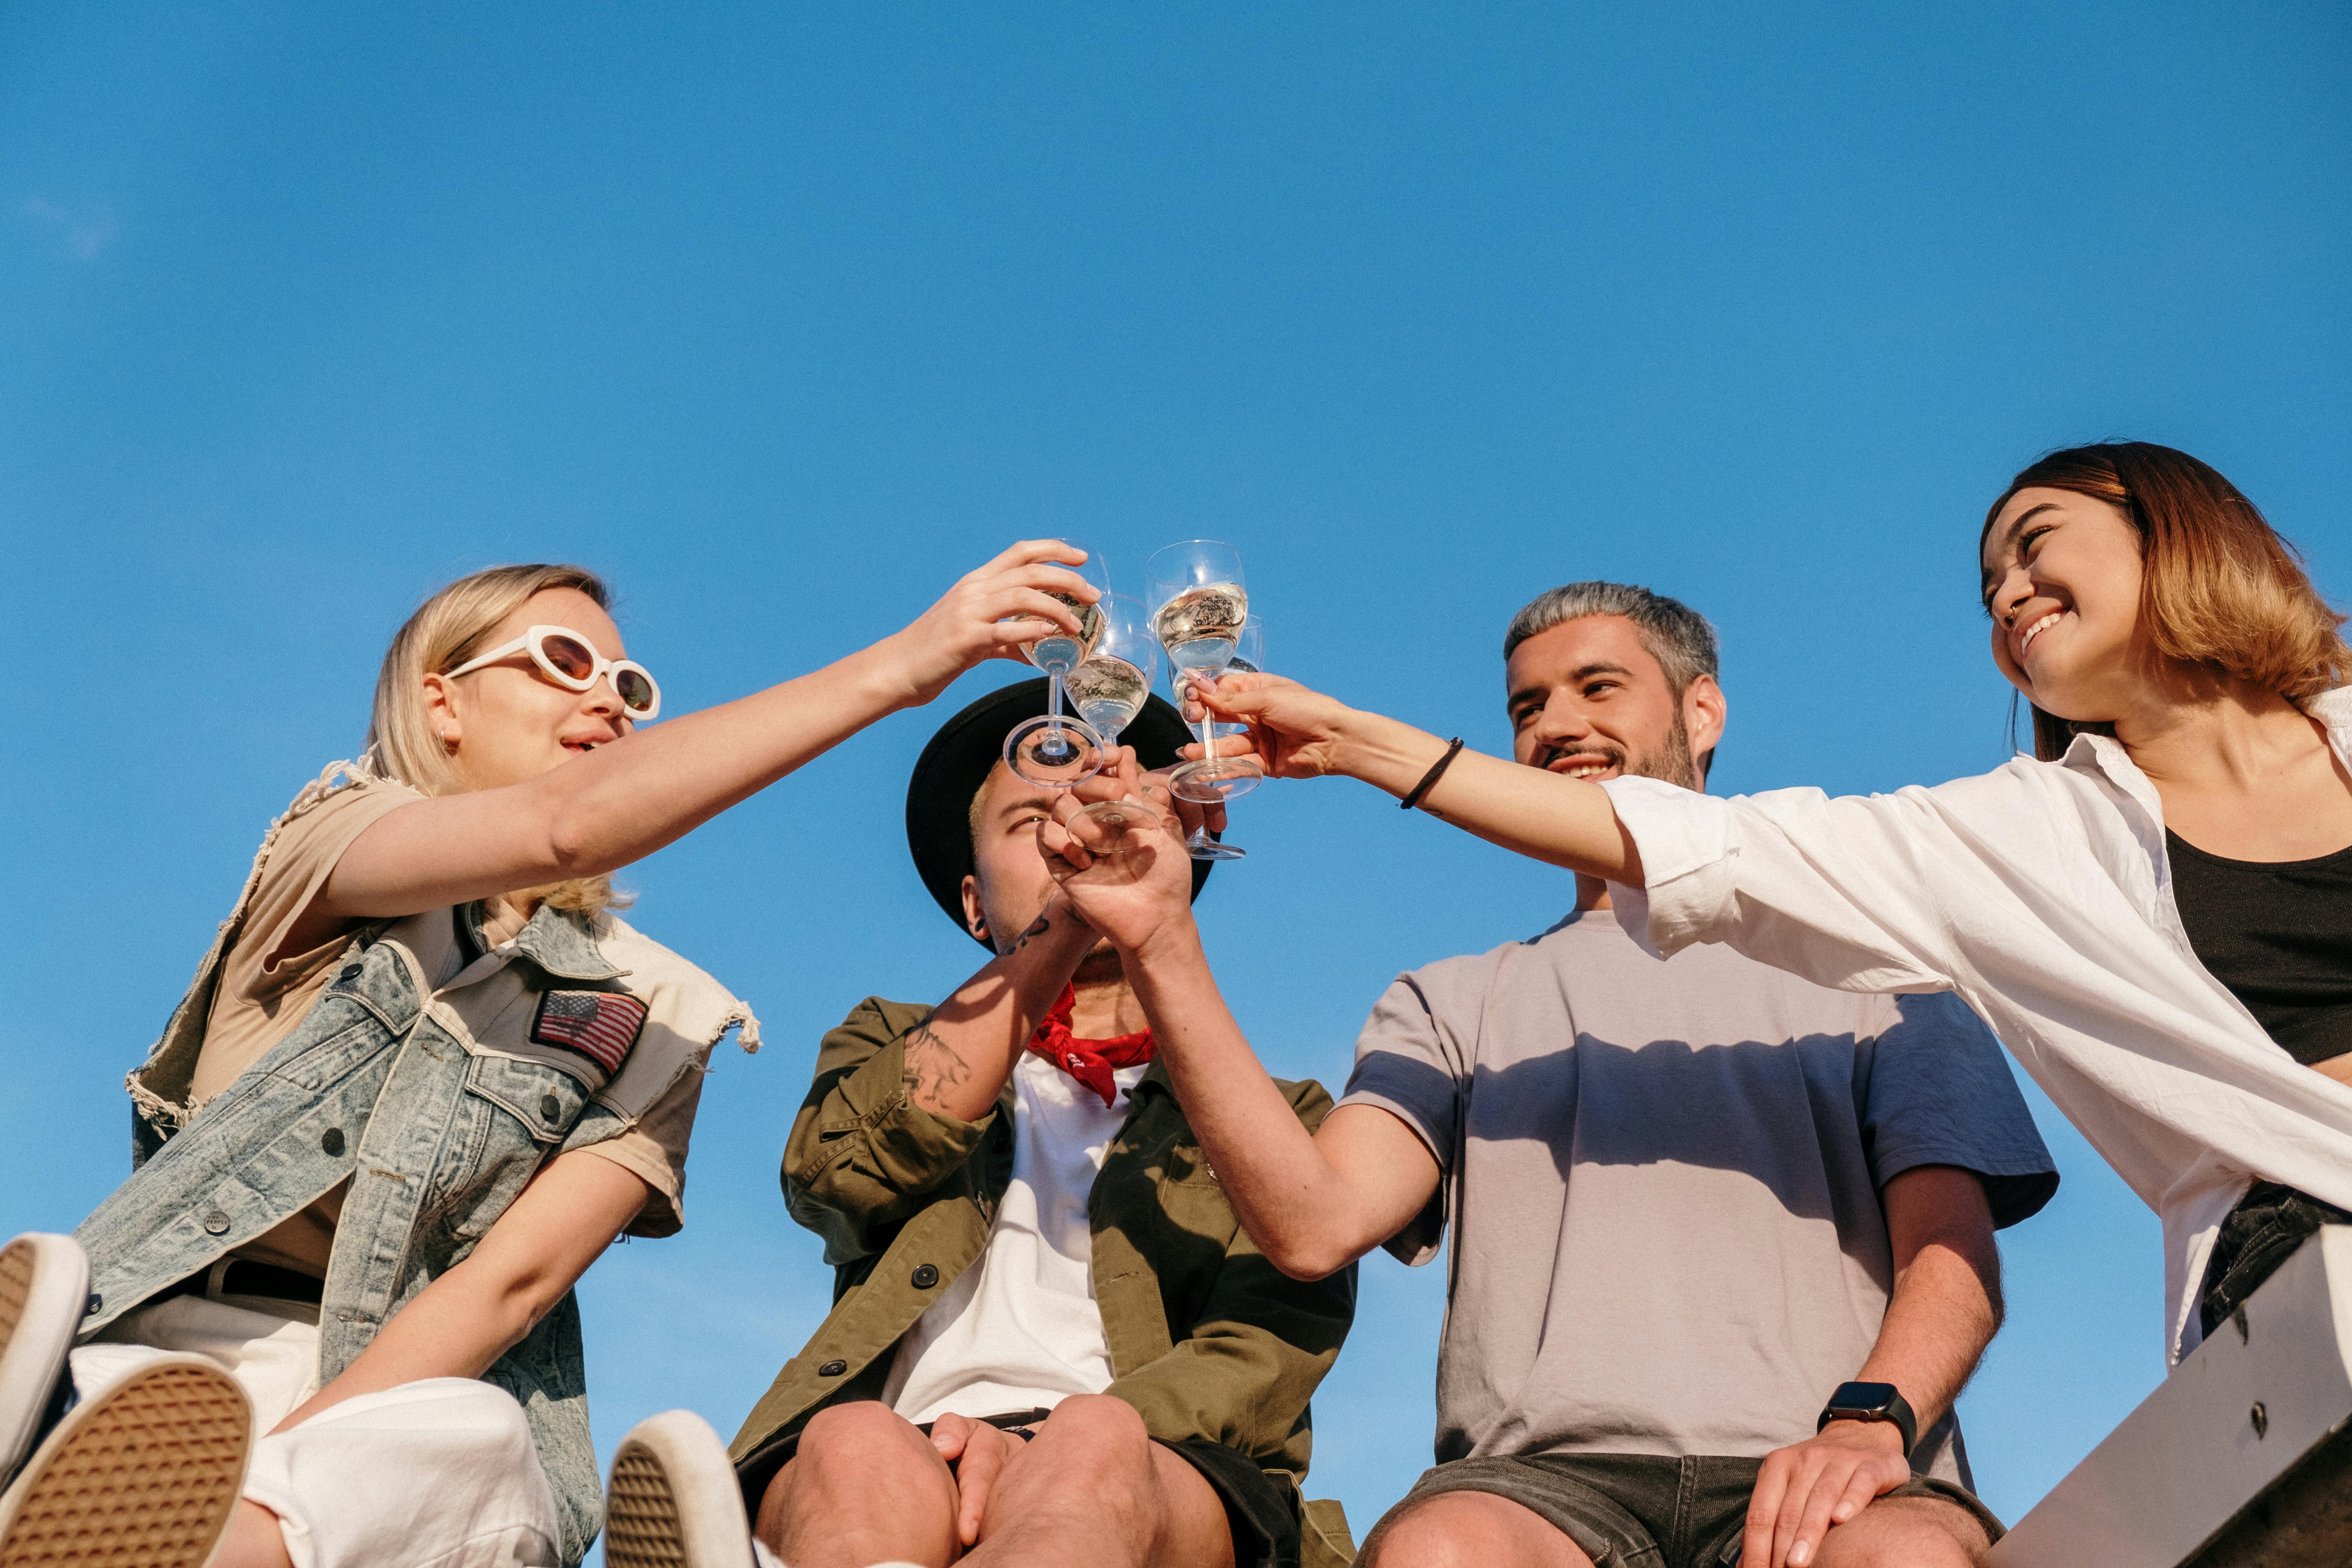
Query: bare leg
point(1469, 1530)
point(1093, 1490)
point(1904, 1533)
point(865, 1486)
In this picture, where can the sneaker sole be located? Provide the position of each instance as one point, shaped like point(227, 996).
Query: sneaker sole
point(144, 1474)
point(672, 1501)
point(44, 1285)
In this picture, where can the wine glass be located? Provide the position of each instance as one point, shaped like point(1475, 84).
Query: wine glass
point(1249, 656)
point(1055, 750)
point(1199, 605)
point(1109, 689)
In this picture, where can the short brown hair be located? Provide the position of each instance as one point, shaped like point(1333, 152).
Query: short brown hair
point(2220, 587)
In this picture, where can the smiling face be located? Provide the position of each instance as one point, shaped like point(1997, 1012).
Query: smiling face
point(507, 723)
point(1010, 882)
point(1588, 699)
point(2063, 576)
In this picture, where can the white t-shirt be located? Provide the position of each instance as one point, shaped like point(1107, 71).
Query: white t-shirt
point(1020, 1329)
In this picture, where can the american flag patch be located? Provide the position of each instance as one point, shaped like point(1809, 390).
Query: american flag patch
point(600, 1025)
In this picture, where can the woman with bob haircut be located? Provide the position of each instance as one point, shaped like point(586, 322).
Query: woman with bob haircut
point(2154, 912)
point(425, 1076)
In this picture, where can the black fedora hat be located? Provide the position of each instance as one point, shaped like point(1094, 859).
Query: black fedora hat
point(957, 762)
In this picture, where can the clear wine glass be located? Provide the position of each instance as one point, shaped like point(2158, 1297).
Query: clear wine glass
point(1108, 689)
point(1199, 604)
point(1249, 656)
point(1056, 750)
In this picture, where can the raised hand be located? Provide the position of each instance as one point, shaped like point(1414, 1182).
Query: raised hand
point(991, 613)
point(1126, 883)
point(1297, 731)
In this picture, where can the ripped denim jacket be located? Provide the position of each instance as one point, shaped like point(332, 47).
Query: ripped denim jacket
point(437, 1102)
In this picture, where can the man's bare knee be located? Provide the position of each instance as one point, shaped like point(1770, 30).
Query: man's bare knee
point(1906, 1532)
point(1096, 1418)
point(1094, 1436)
point(848, 1449)
point(1104, 1429)
point(1469, 1530)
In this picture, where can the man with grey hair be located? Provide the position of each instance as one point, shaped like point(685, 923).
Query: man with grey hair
point(1723, 1241)
point(1674, 635)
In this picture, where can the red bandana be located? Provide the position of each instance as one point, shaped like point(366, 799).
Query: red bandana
point(1091, 1062)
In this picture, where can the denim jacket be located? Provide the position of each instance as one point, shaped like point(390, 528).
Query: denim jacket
point(427, 1076)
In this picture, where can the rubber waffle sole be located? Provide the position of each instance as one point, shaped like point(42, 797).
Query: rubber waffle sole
point(147, 1478)
point(640, 1525)
point(15, 1288)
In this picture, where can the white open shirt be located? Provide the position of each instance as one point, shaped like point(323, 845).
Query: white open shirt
point(2042, 895)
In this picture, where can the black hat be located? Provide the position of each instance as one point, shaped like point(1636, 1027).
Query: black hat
point(957, 762)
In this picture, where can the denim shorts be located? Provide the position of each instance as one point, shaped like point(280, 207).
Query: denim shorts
point(1642, 1510)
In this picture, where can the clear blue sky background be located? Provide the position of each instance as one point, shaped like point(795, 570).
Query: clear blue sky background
point(785, 319)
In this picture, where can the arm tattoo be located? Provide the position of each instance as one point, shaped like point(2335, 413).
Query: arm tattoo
point(932, 1068)
point(1039, 928)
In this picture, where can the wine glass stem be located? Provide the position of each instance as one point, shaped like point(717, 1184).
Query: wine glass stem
point(1208, 745)
point(1053, 703)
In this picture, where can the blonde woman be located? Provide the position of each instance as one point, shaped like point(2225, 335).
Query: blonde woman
point(425, 1076)
point(2155, 913)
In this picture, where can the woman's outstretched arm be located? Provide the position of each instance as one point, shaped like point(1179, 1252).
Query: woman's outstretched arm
point(622, 801)
point(455, 1327)
point(1301, 733)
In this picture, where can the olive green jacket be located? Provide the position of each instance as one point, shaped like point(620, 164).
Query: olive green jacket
point(1207, 1338)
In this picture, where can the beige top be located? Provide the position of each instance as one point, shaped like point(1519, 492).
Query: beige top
point(263, 993)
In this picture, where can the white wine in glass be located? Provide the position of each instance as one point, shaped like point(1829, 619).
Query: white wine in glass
point(1198, 626)
point(1200, 602)
point(1109, 689)
point(1054, 751)
point(1108, 692)
point(1057, 652)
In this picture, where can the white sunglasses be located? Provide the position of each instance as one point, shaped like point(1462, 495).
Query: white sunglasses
point(571, 661)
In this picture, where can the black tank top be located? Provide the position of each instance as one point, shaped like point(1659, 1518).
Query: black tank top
point(2279, 935)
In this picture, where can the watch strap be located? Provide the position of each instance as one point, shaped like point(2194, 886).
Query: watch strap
point(1873, 1402)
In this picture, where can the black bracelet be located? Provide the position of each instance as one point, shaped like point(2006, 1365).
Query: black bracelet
point(1452, 749)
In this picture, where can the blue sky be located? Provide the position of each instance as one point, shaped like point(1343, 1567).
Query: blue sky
point(785, 318)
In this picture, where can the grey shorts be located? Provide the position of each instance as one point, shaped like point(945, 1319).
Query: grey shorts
point(1639, 1511)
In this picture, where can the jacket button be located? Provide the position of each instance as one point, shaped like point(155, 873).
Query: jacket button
point(924, 1276)
point(551, 1109)
point(351, 973)
point(833, 1368)
point(331, 1141)
point(216, 1222)
point(95, 1303)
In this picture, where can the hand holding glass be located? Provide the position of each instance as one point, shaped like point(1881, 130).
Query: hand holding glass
point(1249, 655)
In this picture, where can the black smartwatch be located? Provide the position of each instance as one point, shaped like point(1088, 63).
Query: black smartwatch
point(1873, 1402)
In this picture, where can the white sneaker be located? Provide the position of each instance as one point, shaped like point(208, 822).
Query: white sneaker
point(44, 1285)
point(144, 1473)
point(673, 1501)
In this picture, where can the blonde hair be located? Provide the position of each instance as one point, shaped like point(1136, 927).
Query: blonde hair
point(446, 630)
point(2220, 589)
